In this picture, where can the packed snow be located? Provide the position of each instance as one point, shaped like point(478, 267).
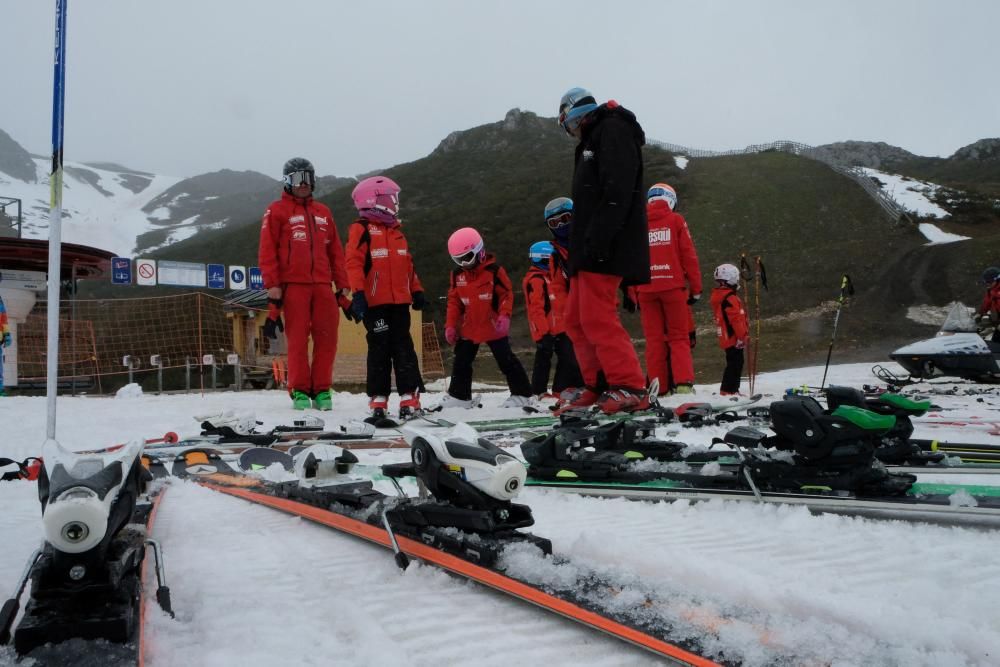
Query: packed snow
point(936, 236)
point(761, 584)
point(681, 161)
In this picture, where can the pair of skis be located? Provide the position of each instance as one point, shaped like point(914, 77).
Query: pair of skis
point(447, 460)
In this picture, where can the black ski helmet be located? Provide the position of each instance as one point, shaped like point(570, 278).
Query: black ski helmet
point(294, 165)
point(990, 275)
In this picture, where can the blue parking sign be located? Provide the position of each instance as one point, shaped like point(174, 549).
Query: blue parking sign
point(256, 278)
point(217, 276)
point(121, 271)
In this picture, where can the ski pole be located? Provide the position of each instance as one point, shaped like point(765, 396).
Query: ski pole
point(746, 275)
point(760, 280)
point(846, 290)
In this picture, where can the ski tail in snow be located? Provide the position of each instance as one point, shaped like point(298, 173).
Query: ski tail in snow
point(87, 579)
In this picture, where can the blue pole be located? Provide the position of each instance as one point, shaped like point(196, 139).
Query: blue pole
point(55, 217)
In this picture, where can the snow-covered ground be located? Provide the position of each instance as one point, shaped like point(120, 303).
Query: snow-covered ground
point(252, 586)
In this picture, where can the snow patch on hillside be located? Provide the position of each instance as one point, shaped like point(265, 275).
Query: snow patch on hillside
point(911, 194)
point(936, 236)
point(109, 221)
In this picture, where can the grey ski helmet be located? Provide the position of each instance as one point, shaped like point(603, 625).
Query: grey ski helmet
point(298, 170)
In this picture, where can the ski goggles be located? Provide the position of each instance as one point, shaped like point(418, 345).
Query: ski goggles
point(466, 259)
point(559, 221)
point(297, 178)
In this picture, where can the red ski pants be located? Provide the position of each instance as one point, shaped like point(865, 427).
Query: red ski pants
point(668, 345)
point(600, 341)
point(310, 309)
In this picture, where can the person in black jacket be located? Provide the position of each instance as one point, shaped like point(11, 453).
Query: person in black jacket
point(608, 247)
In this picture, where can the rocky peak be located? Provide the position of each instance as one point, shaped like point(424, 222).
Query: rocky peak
point(874, 154)
point(984, 149)
point(14, 160)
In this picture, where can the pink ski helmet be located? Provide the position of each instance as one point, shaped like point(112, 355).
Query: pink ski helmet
point(377, 198)
point(466, 247)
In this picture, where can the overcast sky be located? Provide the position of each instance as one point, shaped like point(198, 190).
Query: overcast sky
point(181, 87)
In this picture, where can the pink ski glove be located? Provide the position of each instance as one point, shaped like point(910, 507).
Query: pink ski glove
point(503, 325)
point(451, 335)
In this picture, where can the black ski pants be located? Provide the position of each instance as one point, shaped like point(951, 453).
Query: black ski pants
point(734, 369)
point(567, 369)
point(390, 346)
point(461, 373)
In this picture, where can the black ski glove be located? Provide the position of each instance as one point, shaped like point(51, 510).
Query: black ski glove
point(693, 299)
point(359, 305)
point(418, 300)
point(345, 307)
point(273, 326)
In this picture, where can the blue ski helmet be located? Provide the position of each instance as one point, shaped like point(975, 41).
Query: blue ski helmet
point(539, 254)
point(574, 107)
point(559, 218)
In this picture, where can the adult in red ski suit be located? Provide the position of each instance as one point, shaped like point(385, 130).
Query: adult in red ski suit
point(608, 246)
point(300, 255)
point(675, 284)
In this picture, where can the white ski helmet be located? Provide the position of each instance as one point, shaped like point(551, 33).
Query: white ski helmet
point(728, 274)
point(664, 192)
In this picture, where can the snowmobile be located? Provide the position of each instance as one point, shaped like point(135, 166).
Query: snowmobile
point(964, 355)
point(957, 350)
point(86, 579)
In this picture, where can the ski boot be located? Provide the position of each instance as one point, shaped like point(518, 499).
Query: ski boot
point(323, 401)
point(623, 399)
point(526, 403)
point(300, 400)
point(379, 407)
point(577, 400)
point(409, 406)
point(684, 389)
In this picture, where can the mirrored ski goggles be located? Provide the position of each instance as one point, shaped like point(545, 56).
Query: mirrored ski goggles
point(467, 259)
point(297, 178)
point(558, 221)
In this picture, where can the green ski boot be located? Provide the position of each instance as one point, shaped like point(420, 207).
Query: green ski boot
point(323, 401)
point(300, 400)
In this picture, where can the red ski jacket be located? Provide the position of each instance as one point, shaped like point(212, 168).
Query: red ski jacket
point(543, 304)
point(476, 297)
point(379, 263)
point(673, 261)
point(730, 317)
point(299, 244)
point(991, 300)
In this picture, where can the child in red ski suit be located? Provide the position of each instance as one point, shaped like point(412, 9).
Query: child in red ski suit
point(544, 304)
point(733, 326)
point(674, 286)
point(480, 303)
